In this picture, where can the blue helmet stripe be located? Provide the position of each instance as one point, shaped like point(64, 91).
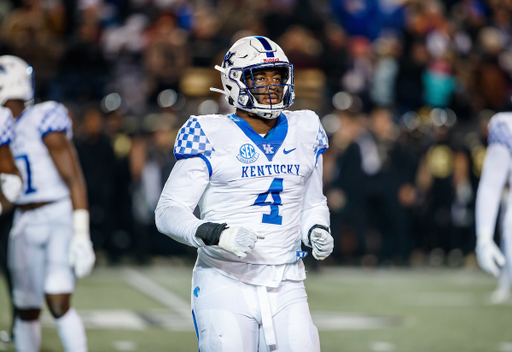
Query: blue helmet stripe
point(266, 45)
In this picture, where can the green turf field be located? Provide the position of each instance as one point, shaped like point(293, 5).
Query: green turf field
point(413, 310)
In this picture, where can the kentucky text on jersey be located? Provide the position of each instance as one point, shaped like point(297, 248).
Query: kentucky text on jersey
point(269, 170)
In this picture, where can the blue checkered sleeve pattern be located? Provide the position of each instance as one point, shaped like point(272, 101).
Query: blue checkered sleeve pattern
point(499, 132)
point(56, 119)
point(192, 141)
point(322, 143)
point(6, 130)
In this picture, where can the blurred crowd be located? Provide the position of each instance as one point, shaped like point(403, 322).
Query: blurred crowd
point(404, 88)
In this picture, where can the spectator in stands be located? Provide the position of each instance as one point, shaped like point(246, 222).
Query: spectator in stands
point(99, 168)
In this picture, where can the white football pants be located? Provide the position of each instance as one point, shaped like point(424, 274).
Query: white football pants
point(39, 253)
point(228, 315)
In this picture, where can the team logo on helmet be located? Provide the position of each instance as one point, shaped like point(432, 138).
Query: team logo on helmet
point(247, 154)
point(227, 62)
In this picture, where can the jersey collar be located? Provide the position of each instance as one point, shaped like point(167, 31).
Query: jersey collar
point(275, 138)
point(17, 119)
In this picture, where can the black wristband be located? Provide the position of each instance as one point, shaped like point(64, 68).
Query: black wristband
point(317, 227)
point(210, 232)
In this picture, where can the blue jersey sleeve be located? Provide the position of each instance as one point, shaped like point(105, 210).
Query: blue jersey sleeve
point(499, 132)
point(321, 143)
point(56, 119)
point(192, 142)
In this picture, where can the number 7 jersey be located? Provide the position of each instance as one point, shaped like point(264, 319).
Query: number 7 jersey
point(41, 179)
point(260, 183)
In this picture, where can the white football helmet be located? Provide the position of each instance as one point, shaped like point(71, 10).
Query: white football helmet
point(16, 79)
point(247, 55)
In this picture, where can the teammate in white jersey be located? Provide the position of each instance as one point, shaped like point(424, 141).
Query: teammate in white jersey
point(10, 177)
point(10, 183)
point(49, 243)
point(257, 178)
point(495, 175)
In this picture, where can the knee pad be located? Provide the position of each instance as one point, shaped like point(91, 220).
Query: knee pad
point(59, 279)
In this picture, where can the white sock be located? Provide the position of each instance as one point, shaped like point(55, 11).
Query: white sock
point(27, 335)
point(504, 280)
point(72, 332)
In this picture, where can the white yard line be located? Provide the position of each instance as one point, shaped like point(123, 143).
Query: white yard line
point(125, 345)
point(150, 288)
point(505, 347)
point(324, 320)
point(440, 299)
point(382, 346)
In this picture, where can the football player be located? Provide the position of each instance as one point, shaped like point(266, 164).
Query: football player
point(495, 175)
point(49, 244)
point(10, 177)
point(257, 178)
point(10, 185)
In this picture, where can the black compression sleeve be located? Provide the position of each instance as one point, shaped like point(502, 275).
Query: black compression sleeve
point(210, 232)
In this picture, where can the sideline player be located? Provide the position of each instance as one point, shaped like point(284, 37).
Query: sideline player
point(10, 184)
point(495, 175)
point(49, 241)
point(257, 178)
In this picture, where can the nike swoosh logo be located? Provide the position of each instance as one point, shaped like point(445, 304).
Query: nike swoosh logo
point(288, 151)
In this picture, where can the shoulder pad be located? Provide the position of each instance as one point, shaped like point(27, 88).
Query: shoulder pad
point(322, 142)
point(192, 141)
point(5, 112)
point(309, 121)
point(302, 114)
point(47, 106)
point(53, 117)
point(500, 130)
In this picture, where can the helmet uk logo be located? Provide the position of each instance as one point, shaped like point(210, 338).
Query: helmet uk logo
point(227, 62)
point(248, 154)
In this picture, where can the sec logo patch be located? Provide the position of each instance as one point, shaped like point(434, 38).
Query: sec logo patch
point(247, 154)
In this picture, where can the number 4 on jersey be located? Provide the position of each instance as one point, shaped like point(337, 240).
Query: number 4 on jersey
point(276, 187)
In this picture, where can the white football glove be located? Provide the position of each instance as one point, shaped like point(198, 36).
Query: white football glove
point(11, 186)
point(322, 243)
point(238, 240)
point(81, 253)
point(489, 256)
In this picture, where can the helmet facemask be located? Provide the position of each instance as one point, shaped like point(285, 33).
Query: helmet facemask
point(263, 97)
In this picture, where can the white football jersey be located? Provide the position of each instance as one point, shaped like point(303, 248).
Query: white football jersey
point(6, 126)
point(41, 179)
point(500, 133)
point(496, 172)
point(500, 130)
point(257, 182)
